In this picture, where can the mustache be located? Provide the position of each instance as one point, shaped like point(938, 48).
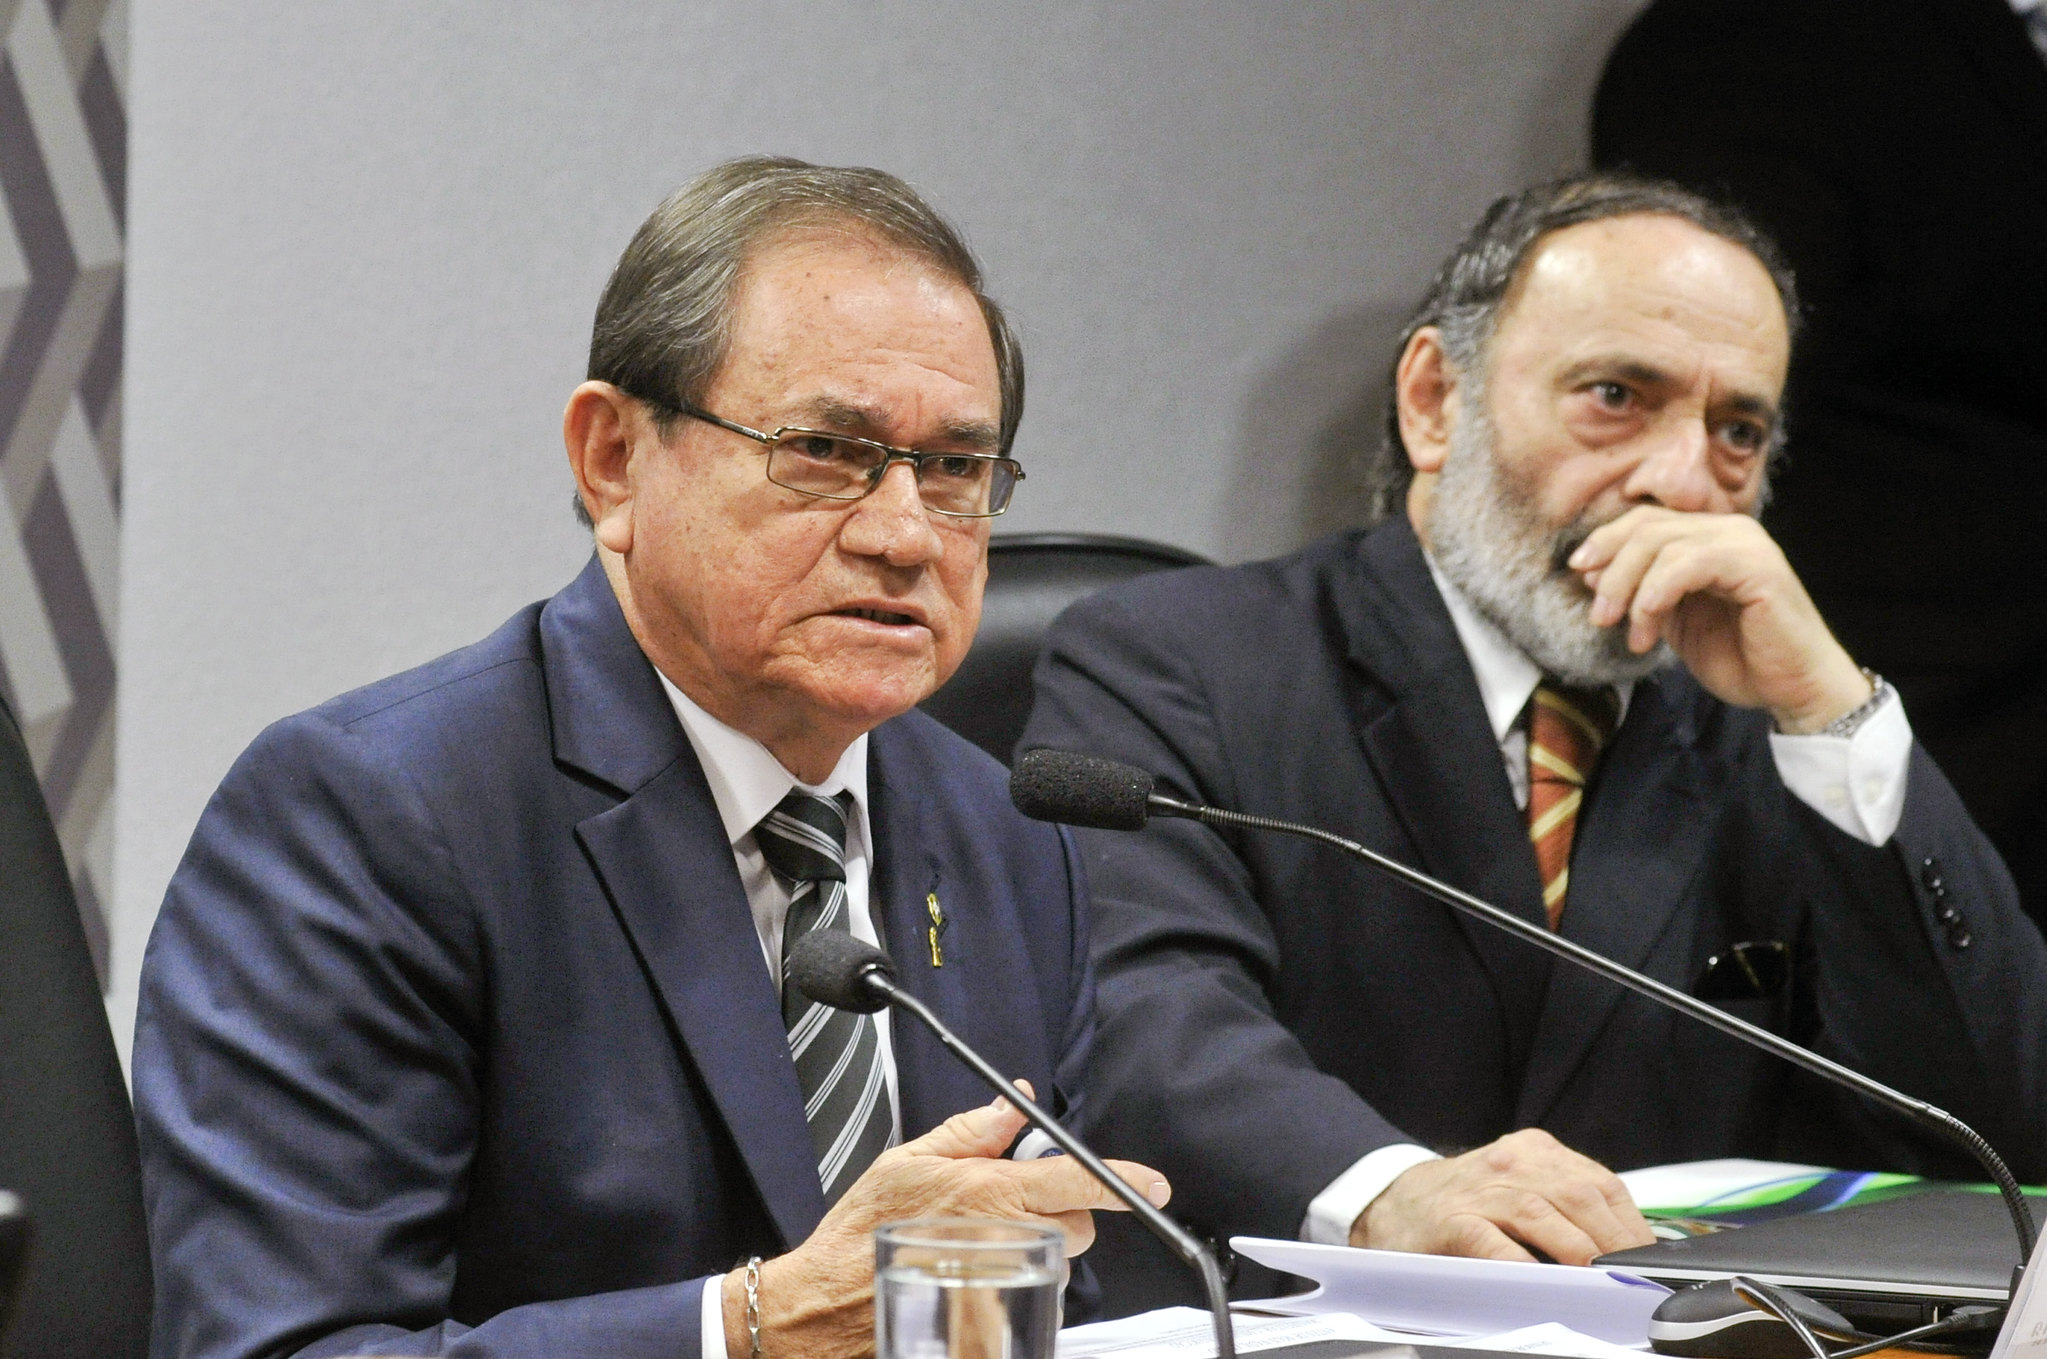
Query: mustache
point(1569, 539)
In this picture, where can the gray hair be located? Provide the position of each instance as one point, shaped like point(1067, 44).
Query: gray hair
point(1469, 292)
point(664, 322)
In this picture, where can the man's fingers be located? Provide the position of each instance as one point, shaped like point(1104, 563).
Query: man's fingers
point(1537, 1221)
point(985, 1131)
point(1628, 559)
point(1478, 1237)
point(1079, 1228)
point(1060, 1184)
point(1144, 1180)
point(1634, 1228)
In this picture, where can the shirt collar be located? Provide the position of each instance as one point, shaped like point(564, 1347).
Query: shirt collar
point(2026, 6)
point(747, 781)
point(1506, 677)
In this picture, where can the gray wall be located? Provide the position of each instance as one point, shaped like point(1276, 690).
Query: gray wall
point(366, 238)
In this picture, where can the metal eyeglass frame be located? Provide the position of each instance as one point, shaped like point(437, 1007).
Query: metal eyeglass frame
point(890, 456)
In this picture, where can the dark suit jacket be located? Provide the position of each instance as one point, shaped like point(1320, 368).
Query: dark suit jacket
point(1898, 151)
point(1271, 1010)
point(455, 1035)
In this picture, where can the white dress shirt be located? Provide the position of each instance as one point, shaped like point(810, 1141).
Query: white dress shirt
point(1856, 782)
point(747, 782)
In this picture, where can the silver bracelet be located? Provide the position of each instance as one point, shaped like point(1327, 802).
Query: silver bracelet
point(1880, 692)
point(753, 1304)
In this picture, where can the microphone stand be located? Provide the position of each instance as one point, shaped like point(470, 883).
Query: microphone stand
point(1182, 1242)
point(1922, 1112)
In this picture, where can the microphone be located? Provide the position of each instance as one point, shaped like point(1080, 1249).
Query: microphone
point(1086, 790)
point(833, 968)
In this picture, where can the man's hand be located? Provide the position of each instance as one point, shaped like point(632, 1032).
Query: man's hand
point(1717, 588)
point(818, 1300)
point(1526, 1190)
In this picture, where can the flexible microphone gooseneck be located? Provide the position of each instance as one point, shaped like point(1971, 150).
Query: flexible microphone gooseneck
point(833, 968)
point(1086, 790)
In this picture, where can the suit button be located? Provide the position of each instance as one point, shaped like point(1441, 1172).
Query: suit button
point(1929, 874)
point(1959, 937)
point(1949, 916)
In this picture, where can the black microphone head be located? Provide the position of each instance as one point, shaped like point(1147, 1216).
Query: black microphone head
point(833, 968)
point(1079, 790)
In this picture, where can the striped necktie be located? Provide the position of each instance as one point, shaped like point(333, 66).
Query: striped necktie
point(837, 1054)
point(1567, 728)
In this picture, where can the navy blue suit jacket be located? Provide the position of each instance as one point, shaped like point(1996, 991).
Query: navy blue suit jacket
point(455, 1036)
point(1272, 1010)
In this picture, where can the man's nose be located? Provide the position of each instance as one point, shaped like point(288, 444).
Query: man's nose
point(891, 522)
point(1676, 471)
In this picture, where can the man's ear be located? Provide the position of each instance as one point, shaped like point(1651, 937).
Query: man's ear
point(597, 431)
point(1423, 384)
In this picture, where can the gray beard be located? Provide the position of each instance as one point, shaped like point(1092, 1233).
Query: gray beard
point(1489, 540)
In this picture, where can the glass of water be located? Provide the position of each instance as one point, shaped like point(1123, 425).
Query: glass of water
point(966, 1288)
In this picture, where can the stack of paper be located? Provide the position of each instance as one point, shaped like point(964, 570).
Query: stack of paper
point(1188, 1333)
point(1442, 1295)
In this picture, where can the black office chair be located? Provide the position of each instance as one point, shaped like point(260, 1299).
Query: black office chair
point(67, 1136)
point(1031, 578)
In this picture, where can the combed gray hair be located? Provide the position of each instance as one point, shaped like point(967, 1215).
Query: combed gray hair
point(664, 322)
point(1469, 292)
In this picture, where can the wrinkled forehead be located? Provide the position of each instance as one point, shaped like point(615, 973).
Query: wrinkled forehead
point(1652, 281)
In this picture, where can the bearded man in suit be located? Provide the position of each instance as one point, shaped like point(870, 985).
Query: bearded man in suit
point(1571, 674)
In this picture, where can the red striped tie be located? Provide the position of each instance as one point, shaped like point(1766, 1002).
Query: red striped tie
point(1567, 728)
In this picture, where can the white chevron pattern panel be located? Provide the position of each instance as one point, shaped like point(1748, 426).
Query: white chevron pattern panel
point(63, 168)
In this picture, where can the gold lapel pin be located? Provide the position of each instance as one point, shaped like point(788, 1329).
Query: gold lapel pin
point(937, 928)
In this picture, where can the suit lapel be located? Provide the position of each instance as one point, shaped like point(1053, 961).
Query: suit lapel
point(666, 865)
point(930, 1085)
point(1439, 768)
point(1635, 852)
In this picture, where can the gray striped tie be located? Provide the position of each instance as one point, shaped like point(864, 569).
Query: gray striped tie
point(837, 1054)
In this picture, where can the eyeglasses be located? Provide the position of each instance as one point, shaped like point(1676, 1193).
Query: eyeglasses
point(841, 467)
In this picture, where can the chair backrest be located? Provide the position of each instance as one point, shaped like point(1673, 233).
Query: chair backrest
point(67, 1135)
point(1032, 577)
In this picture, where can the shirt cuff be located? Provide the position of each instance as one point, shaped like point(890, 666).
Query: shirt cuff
point(711, 1327)
point(1856, 782)
point(1331, 1212)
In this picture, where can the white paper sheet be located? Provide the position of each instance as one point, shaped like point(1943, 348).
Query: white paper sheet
point(1186, 1333)
point(1448, 1296)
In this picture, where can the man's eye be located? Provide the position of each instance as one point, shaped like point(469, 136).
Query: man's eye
point(819, 448)
point(957, 469)
point(1747, 437)
point(1612, 395)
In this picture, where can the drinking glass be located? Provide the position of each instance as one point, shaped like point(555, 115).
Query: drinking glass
point(966, 1288)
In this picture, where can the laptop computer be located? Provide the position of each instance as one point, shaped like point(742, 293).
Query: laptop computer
point(1885, 1265)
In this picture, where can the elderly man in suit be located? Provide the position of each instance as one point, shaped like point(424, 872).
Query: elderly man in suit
point(1575, 676)
point(463, 1029)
